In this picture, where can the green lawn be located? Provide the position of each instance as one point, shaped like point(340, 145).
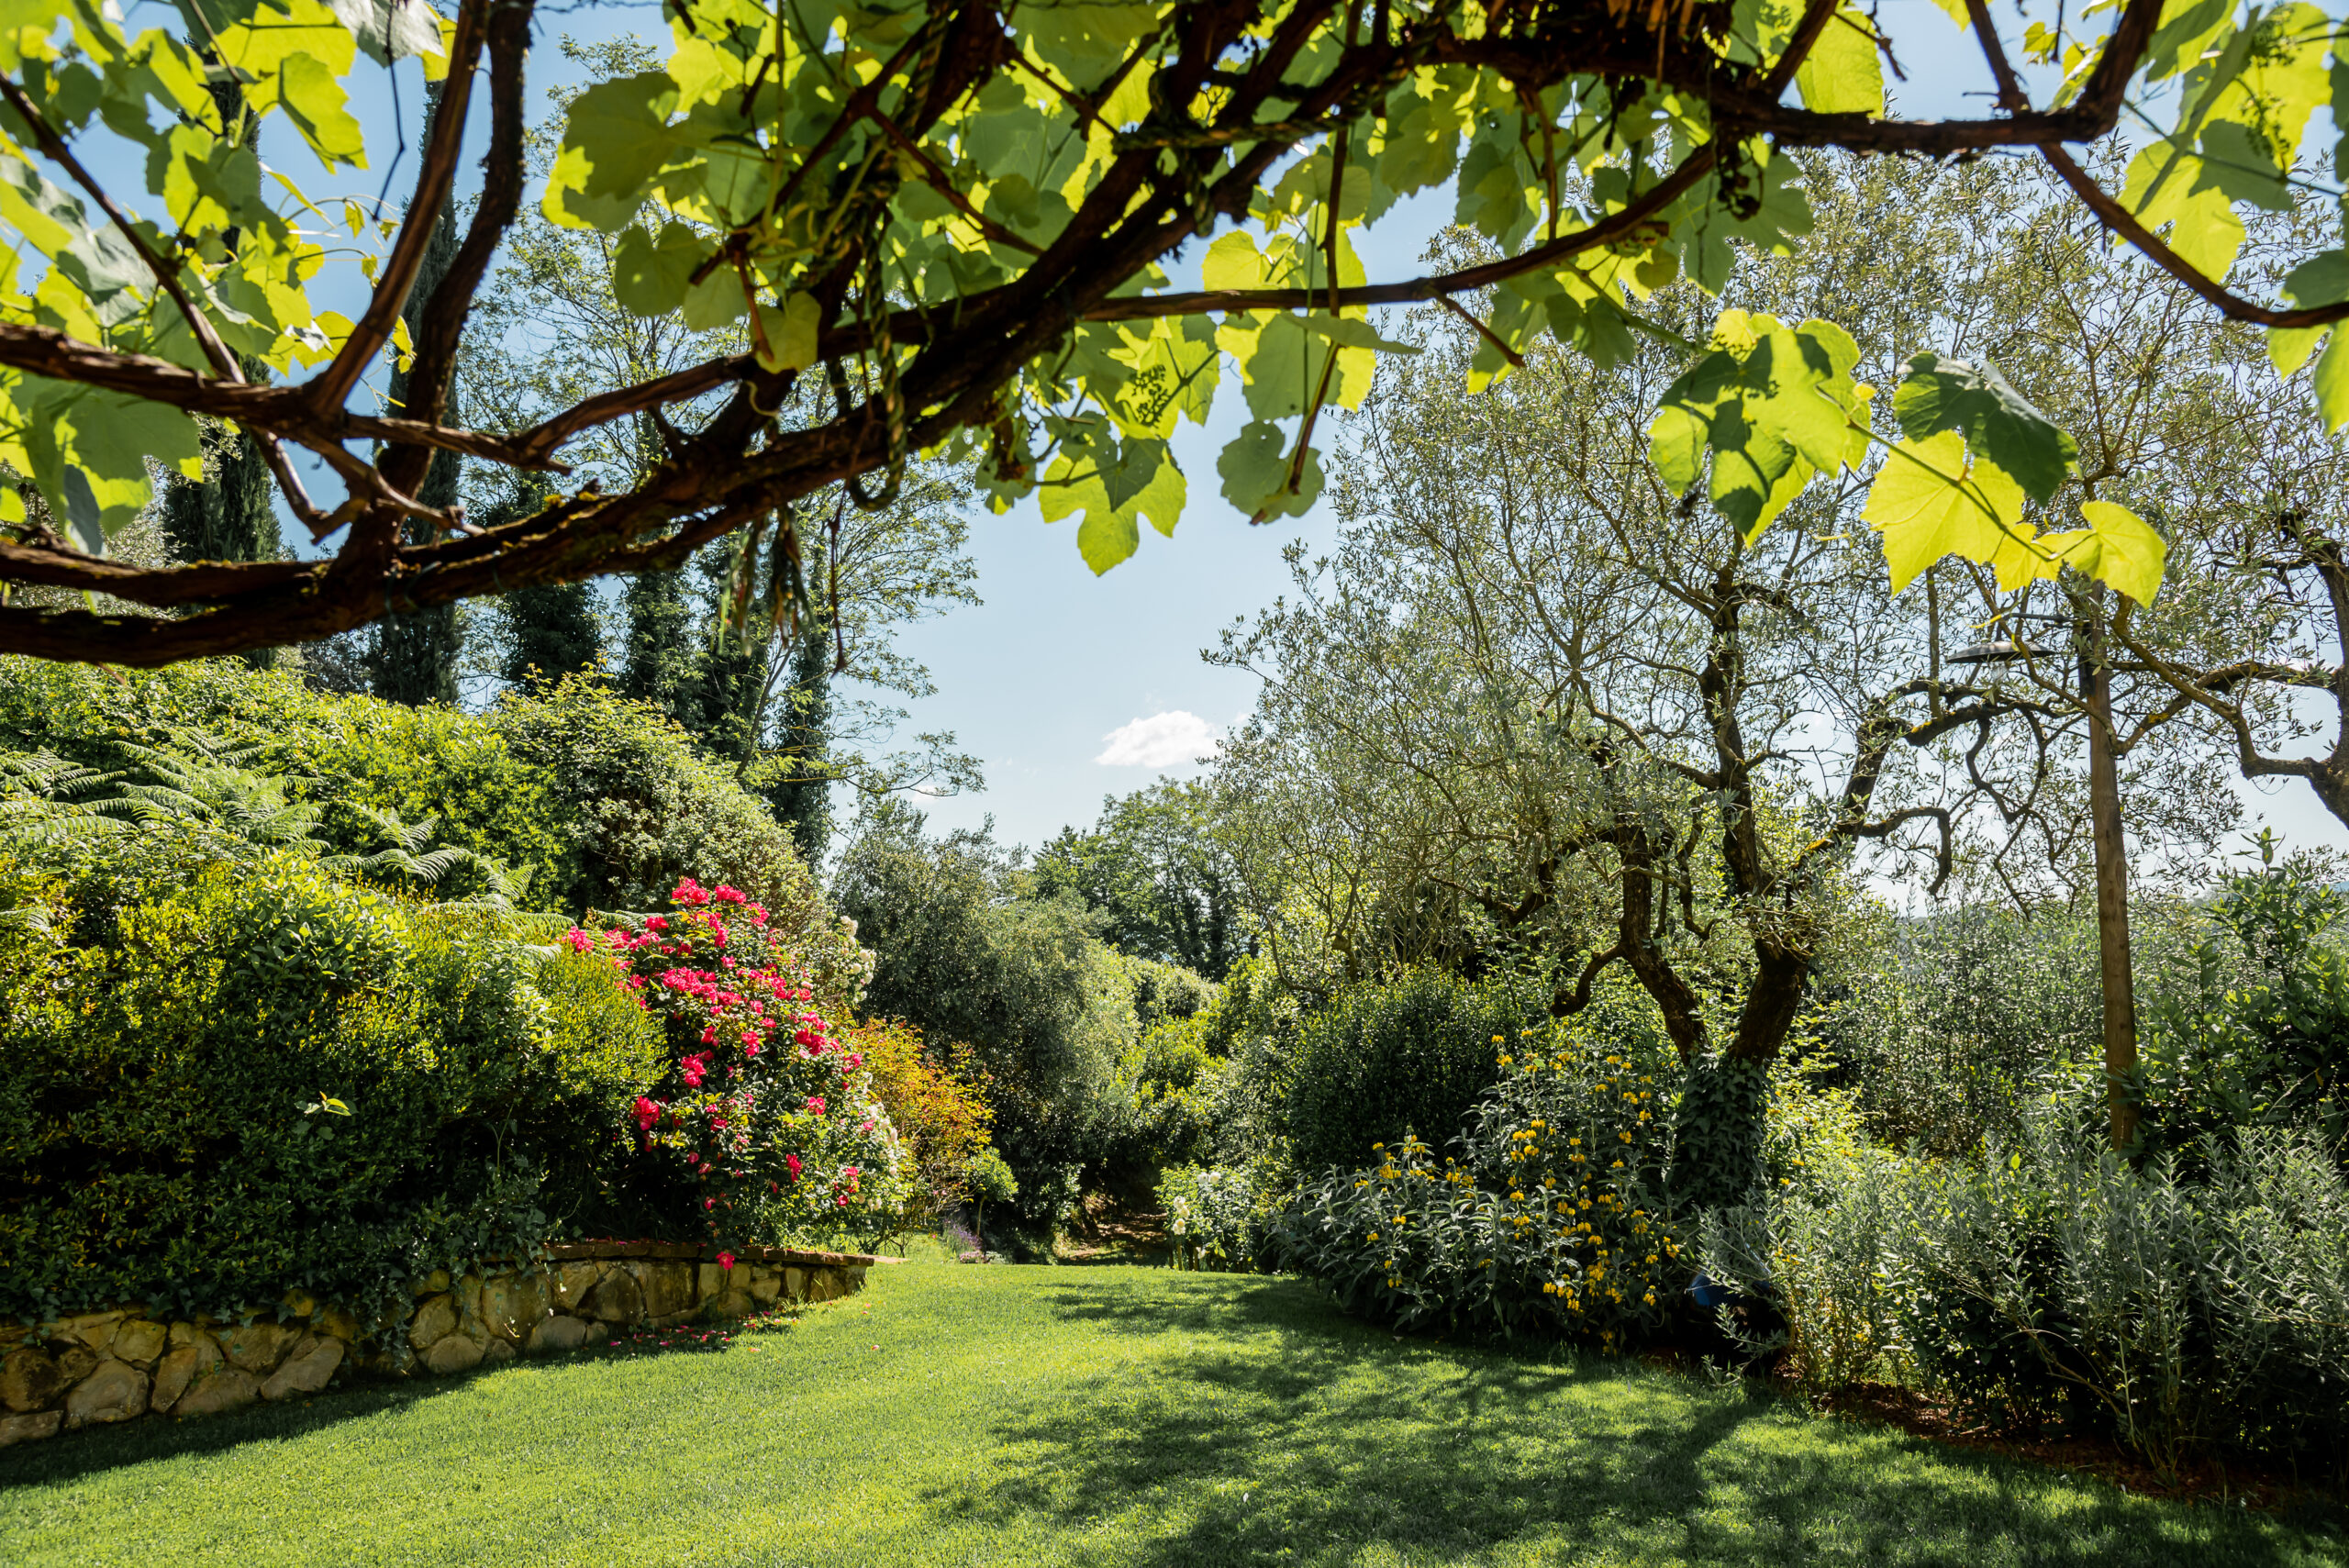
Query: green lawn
point(1077, 1416)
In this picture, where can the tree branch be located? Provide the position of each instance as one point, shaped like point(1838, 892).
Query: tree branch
point(443, 326)
point(332, 388)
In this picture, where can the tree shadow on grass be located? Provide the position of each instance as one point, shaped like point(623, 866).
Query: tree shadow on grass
point(1286, 1433)
point(71, 1455)
point(94, 1450)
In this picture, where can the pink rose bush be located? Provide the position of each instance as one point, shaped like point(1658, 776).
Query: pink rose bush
point(760, 1115)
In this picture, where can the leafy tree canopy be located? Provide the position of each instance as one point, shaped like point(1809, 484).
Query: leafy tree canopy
point(944, 228)
point(1165, 885)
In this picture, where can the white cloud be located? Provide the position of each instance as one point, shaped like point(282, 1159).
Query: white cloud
point(1159, 742)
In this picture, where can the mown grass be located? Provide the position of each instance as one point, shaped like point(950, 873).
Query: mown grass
point(1111, 1416)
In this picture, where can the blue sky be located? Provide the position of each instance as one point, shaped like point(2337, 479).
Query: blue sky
point(1058, 669)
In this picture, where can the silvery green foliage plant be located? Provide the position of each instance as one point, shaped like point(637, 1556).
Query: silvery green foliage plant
point(2054, 1280)
point(1825, 1262)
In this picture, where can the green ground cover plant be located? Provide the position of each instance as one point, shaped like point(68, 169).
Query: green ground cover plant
point(1082, 1417)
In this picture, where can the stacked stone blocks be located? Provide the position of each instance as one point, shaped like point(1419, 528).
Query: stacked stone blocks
point(102, 1367)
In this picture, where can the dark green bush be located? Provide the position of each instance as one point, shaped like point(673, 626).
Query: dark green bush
point(2250, 1028)
point(1174, 1089)
point(604, 803)
point(1416, 1050)
point(634, 807)
point(273, 1080)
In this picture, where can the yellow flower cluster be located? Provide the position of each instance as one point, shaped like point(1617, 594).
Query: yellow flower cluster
point(1528, 1205)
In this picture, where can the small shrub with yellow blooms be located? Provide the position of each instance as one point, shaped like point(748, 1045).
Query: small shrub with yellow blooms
point(1545, 1215)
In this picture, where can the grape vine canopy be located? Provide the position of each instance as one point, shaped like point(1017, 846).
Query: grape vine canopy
point(944, 227)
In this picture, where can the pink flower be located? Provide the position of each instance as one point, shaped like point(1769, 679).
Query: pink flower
point(793, 1161)
point(854, 1060)
point(647, 1113)
point(725, 1259)
point(864, 1127)
point(729, 895)
point(709, 1203)
point(816, 1104)
point(577, 940)
point(657, 923)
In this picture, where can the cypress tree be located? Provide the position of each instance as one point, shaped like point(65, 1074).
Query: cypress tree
point(415, 653)
point(659, 667)
point(802, 801)
point(731, 683)
point(729, 680)
point(551, 630)
point(231, 514)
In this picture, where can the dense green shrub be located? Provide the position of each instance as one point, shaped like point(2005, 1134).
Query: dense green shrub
point(1174, 1089)
point(1956, 1019)
point(2057, 1282)
point(636, 807)
point(1165, 992)
point(1551, 1215)
point(601, 802)
point(1387, 1056)
point(1047, 1008)
point(276, 1080)
point(2250, 1026)
point(1250, 1027)
point(1953, 1022)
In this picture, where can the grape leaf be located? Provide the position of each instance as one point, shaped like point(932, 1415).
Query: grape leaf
point(89, 450)
point(2117, 548)
point(1116, 485)
point(1842, 74)
point(615, 141)
point(391, 30)
point(314, 102)
point(2322, 279)
point(1929, 503)
point(649, 277)
point(787, 339)
point(1997, 423)
point(1254, 468)
point(1773, 404)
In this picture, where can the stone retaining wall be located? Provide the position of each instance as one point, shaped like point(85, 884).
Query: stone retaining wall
point(114, 1366)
